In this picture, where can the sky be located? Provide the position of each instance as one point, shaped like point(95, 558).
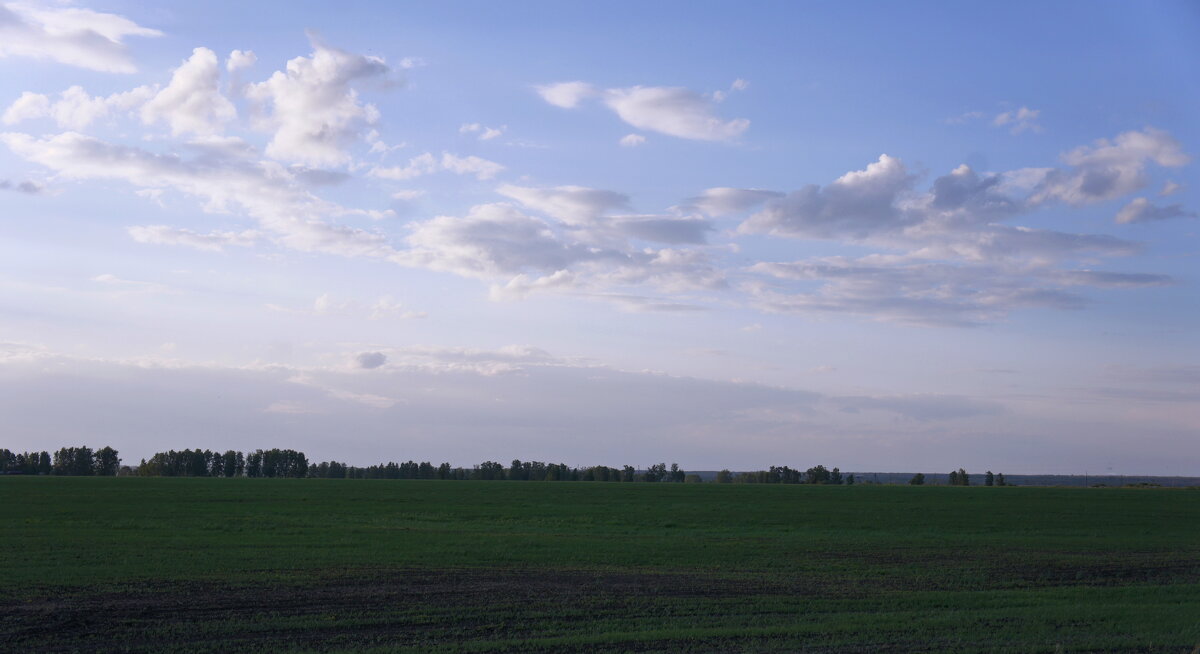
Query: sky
point(874, 235)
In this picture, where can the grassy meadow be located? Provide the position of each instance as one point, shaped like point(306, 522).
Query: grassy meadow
point(169, 564)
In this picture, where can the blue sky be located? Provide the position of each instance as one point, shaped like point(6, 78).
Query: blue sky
point(881, 236)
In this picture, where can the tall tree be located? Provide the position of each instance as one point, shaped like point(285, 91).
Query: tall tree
point(106, 462)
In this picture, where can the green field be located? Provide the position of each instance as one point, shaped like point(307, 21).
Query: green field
point(158, 564)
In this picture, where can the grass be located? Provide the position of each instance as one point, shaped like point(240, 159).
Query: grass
point(151, 564)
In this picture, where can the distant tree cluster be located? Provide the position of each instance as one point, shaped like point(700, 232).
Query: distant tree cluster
point(961, 478)
point(70, 461)
point(290, 463)
point(785, 475)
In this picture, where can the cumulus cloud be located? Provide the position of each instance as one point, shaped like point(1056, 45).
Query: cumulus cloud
point(1170, 188)
point(1019, 120)
point(674, 111)
point(632, 140)
point(481, 168)
point(671, 110)
point(192, 101)
point(1109, 168)
point(215, 241)
point(567, 95)
point(962, 267)
point(492, 240)
point(74, 108)
point(522, 254)
point(239, 59)
point(852, 206)
point(313, 108)
point(69, 35)
point(1141, 210)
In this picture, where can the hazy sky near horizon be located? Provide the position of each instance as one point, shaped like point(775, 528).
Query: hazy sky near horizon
point(881, 236)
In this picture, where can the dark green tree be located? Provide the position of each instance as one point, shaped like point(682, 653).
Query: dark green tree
point(989, 479)
point(106, 462)
point(917, 479)
point(816, 475)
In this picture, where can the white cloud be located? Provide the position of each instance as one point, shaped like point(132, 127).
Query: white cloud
point(853, 206)
point(1019, 120)
point(1141, 210)
point(567, 95)
point(723, 201)
point(75, 108)
point(739, 84)
point(422, 164)
point(28, 106)
point(574, 205)
point(312, 107)
point(192, 101)
point(481, 168)
point(632, 140)
point(72, 36)
point(960, 264)
point(427, 163)
point(239, 59)
point(1170, 188)
point(498, 242)
point(485, 133)
point(213, 241)
point(493, 240)
point(266, 191)
point(407, 195)
point(1110, 169)
point(674, 111)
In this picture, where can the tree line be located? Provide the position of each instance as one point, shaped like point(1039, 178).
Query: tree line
point(818, 474)
point(276, 462)
point(960, 477)
point(73, 461)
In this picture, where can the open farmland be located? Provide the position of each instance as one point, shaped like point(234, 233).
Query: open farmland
point(141, 564)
